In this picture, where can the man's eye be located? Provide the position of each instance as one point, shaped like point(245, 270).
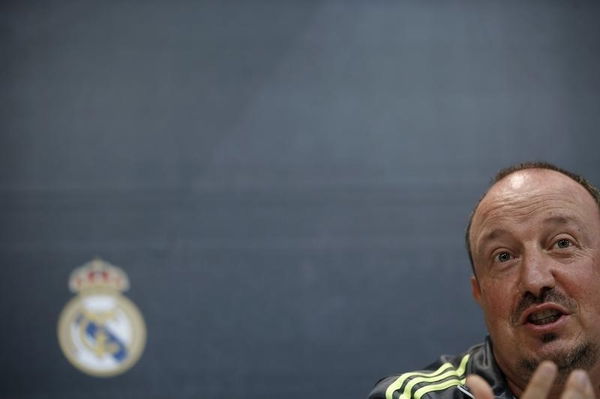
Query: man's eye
point(563, 243)
point(503, 257)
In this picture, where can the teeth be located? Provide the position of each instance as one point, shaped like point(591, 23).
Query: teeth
point(545, 316)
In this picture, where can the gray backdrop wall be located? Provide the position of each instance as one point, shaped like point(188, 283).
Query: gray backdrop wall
point(286, 183)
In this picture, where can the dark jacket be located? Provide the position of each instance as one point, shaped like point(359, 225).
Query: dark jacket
point(445, 378)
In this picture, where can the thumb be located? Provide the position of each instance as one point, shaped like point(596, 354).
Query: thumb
point(479, 387)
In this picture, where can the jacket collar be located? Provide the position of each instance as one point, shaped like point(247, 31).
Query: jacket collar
point(484, 364)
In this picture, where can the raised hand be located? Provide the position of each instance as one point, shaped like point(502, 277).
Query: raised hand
point(578, 385)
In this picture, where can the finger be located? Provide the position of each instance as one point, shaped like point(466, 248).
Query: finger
point(479, 387)
point(541, 382)
point(590, 392)
point(578, 386)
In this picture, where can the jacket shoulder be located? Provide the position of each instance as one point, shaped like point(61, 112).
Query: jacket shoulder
point(443, 379)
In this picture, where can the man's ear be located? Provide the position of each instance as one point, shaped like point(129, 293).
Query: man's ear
point(476, 290)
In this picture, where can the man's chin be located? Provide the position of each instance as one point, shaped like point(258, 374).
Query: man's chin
point(548, 346)
point(566, 355)
point(551, 347)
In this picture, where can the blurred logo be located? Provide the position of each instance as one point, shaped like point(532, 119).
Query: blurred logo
point(100, 331)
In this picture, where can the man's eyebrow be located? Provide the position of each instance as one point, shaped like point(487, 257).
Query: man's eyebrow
point(491, 235)
point(495, 233)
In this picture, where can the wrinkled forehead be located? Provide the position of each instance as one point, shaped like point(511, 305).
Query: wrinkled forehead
point(530, 192)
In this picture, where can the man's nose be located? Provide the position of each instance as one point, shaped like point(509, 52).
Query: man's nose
point(536, 274)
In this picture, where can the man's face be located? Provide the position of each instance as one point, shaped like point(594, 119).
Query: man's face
point(535, 240)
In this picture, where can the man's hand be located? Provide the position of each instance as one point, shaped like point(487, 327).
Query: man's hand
point(578, 385)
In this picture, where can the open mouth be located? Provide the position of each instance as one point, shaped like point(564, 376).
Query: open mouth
point(544, 317)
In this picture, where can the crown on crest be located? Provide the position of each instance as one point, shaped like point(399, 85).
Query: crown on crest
point(98, 274)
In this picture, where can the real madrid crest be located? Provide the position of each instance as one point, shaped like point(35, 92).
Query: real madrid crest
point(100, 331)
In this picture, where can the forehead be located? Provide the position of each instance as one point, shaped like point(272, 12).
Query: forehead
point(530, 195)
